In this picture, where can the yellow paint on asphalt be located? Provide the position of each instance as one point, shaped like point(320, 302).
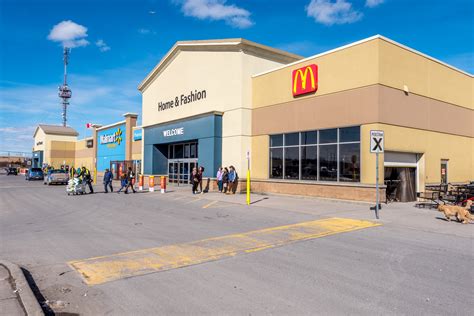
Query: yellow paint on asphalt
point(103, 269)
point(209, 204)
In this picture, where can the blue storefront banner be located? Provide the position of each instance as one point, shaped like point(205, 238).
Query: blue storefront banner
point(110, 146)
point(137, 134)
point(206, 130)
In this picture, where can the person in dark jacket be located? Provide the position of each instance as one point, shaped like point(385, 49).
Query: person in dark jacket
point(86, 176)
point(195, 179)
point(131, 180)
point(201, 176)
point(108, 181)
point(225, 180)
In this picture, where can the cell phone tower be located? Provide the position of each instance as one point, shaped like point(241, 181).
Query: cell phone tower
point(64, 91)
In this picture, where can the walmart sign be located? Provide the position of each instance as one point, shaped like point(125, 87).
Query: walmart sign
point(115, 137)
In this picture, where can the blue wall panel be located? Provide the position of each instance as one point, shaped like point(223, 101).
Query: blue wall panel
point(114, 147)
point(206, 130)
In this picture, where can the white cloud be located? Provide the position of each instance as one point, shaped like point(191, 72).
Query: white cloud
point(69, 34)
point(103, 47)
point(216, 10)
point(373, 3)
point(330, 12)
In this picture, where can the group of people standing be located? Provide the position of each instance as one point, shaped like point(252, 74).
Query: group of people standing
point(227, 180)
point(127, 180)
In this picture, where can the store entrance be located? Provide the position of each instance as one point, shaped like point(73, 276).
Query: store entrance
point(179, 171)
point(401, 184)
point(182, 158)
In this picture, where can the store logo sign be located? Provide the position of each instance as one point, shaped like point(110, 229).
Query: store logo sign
point(112, 138)
point(173, 132)
point(305, 80)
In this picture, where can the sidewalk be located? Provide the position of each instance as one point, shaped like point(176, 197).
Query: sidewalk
point(16, 297)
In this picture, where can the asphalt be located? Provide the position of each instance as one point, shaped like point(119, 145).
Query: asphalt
point(414, 263)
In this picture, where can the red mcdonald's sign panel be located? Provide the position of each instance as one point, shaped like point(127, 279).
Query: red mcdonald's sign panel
point(305, 80)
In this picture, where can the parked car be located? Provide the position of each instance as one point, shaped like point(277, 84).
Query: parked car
point(34, 174)
point(56, 176)
point(13, 171)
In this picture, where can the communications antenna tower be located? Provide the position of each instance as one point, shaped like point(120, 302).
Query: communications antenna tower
point(64, 91)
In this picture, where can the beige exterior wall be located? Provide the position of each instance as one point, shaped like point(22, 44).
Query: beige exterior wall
point(84, 157)
point(432, 146)
point(377, 61)
point(136, 150)
point(51, 143)
point(226, 77)
point(423, 76)
point(363, 84)
point(59, 153)
point(338, 71)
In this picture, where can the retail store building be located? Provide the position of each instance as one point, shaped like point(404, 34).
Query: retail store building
point(305, 123)
point(53, 145)
point(116, 147)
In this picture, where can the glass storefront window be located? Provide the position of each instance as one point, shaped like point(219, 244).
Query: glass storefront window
point(324, 155)
point(170, 152)
point(292, 163)
point(309, 138)
point(327, 136)
point(276, 163)
point(193, 151)
point(328, 163)
point(178, 151)
point(186, 151)
point(309, 163)
point(276, 140)
point(292, 139)
point(349, 162)
point(349, 134)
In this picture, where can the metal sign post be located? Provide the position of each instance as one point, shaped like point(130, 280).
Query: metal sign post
point(377, 146)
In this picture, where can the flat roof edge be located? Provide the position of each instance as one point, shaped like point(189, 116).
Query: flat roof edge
point(378, 36)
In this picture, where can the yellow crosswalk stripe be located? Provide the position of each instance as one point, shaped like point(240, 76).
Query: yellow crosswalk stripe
point(103, 269)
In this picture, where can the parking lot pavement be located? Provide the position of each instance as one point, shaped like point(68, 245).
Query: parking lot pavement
point(414, 263)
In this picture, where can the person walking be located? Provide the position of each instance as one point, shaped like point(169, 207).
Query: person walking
point(195, 180)
point(219, 179)
point(201, 175)
point(86, 176)
point(108, 180)
point(131, 180)
point(123, 182)
point(225, 180)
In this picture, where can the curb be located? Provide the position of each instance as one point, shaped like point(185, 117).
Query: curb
point(27, 298)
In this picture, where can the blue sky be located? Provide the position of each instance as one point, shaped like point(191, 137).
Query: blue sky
point(116, 43)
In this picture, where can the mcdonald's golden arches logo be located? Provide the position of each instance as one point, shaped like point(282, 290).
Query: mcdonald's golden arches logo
point(305, 80)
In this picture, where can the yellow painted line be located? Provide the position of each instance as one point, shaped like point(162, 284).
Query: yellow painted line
point(124, 265)
point(209, 204)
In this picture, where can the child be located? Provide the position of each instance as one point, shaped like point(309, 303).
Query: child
point(123, 182)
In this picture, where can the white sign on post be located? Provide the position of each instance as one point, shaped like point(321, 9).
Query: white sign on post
point(376, 141)
point(376, 146)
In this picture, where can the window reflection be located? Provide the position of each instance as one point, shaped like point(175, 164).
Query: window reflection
point(328, 163)
point(292, 163)
point(309, 163)
point(349, 162)
point(276, 163)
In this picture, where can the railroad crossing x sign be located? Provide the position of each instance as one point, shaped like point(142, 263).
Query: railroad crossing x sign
point(376, 141)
